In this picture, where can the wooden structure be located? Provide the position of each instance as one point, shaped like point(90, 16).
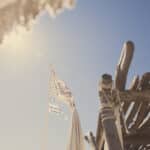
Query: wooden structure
point(124, 118)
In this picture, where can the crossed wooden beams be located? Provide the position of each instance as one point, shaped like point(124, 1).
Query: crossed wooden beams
point(114, 100)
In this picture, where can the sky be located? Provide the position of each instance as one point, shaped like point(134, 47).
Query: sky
point(82, 44)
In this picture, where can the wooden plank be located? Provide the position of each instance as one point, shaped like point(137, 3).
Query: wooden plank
point(146, 117)
point(132, 87)
point(132, 113)
point(134, 83)
point(144, 131)
point(148, 147)
point(137, 139)
point(146, 124)
point(141, 115)
point(126, 106)
point(145, 81)
point(123, 126)
point(99, 134)
point(136, 147)
point(137, 96)
point(123, 65)
point(127, 146)
point(112, 137)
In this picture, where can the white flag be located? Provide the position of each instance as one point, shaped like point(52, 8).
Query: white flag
point(59, 90)
point(55, 108)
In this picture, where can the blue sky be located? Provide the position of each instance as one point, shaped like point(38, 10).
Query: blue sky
point(82, 44)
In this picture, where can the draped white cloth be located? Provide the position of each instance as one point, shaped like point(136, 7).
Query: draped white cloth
point(60, 91)
point(76, 140)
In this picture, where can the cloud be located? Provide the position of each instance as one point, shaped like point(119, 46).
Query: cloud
point(14, 13)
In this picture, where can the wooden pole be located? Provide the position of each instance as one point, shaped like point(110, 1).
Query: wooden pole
point(124, 65)
point(91, 141)
point(107, 114)
point(99, 134)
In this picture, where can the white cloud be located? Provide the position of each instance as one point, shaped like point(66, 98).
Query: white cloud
point(23, 12)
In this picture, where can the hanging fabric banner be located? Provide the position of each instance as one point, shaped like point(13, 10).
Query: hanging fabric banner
point(60, 91)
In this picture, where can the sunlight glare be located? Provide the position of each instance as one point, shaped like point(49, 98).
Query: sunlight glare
point(17, 40)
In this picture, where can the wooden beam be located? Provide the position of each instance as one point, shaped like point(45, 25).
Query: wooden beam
point(145, 81)
point(137, 139)
point(133, 87)
point(146, 124)
point(99, 134)
point(142, 100)
point(134, 84)
point(129, 96)
point(144, 131)
point(126, 106)
point(144, 110)
point(107, 114)
point(123, 65)
point(123, 125)
point(132, 113)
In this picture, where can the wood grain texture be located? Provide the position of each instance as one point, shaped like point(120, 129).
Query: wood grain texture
point(123, 65)
point(99, 133)
point(136, 96)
